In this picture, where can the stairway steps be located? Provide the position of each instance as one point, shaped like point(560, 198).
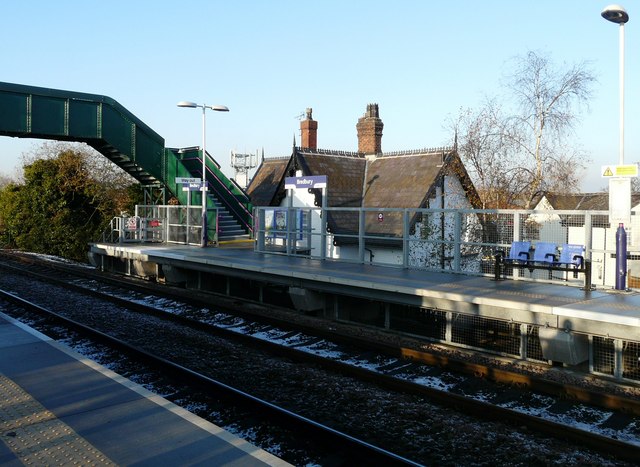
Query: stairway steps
point(228, 226)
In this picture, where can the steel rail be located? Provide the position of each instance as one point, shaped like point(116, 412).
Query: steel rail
point(474, 407)
point(566, 391)
point(356, 448)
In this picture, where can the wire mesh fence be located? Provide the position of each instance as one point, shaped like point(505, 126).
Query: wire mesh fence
point(447, 240)
point(422, 322)
point(534, 349)
point(497, 336)
point(631, 360)
point(603, 356)
point(173, 223)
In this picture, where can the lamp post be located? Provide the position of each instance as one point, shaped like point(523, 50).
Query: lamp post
point(204, 107)
point(617, 14)
point(620, 190)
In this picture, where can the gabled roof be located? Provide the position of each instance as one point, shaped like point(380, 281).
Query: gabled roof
point(402, 179)
point(345, 173)
point(264, 184)
point(394, 180)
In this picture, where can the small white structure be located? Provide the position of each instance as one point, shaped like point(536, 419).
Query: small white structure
point(241, 164)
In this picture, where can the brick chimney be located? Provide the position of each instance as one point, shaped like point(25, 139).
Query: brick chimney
point(370, 131)
point(309, 131)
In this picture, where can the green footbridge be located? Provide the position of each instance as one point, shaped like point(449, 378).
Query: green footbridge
point(105, 125)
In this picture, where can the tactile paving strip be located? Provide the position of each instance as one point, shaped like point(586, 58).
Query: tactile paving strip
point(36, 436)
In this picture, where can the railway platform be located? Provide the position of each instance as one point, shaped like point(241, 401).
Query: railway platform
point(549, 321)
point(553, 304)
point(59, 408)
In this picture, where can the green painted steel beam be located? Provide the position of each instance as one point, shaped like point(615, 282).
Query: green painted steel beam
point(104, 124)
point(100, 121)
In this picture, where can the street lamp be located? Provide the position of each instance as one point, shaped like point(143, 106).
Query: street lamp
point(617, 14)
point(217, 108)
point(620, 190)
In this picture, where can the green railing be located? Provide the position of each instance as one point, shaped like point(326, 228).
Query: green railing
point(224, 189)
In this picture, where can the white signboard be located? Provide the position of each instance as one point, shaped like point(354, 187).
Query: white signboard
point(187, 180)
point(620, 201)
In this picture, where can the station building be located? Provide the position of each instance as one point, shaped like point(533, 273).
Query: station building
point(371, 179)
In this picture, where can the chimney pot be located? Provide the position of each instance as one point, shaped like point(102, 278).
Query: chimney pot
point(309, 131)
point(369, 129)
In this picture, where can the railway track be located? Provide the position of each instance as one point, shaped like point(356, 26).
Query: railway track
point(351, 450)
point(401, 375)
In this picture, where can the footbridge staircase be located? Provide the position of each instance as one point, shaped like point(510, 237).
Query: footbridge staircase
point(108, 127)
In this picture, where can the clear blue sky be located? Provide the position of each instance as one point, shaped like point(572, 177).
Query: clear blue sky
point(420, 60)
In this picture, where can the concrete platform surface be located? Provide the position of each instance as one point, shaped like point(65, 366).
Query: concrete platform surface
point(59, 408)
point(551, 298)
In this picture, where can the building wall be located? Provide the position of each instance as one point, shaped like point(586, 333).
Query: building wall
point(432, 241)
point(311, 221)
point(421, 252)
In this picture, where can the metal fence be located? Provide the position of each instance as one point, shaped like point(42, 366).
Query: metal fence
point(162, 224)
point(611, 357)
point(448, 240)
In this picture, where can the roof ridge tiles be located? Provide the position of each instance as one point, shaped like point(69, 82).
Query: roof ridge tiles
point(412, 152)
point(329, 152)
point(277, 158)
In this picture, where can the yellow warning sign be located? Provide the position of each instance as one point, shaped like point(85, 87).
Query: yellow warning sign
point(626, 170)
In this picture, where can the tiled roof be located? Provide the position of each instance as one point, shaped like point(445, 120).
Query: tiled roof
point(345, 176)
point(393, 180)
point(584, 201)
point(264, 184)
point(399, 181)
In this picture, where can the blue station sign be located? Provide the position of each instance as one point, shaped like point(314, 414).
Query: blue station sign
point(192, 186)
point(312, 181)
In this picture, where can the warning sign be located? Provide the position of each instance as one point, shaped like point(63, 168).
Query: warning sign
point(627, 170)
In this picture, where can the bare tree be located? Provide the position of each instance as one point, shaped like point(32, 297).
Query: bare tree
point(480, 143)
point(547, 98)
point(513, 154)
point(100, 168)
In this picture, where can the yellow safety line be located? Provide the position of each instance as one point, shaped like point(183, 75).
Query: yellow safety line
point(36, 436)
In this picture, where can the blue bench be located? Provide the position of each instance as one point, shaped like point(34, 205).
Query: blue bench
point(545, 256)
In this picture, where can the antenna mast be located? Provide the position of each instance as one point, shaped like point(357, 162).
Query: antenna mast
point(241, 164)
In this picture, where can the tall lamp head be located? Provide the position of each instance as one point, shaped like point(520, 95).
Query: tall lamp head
point(615, 14)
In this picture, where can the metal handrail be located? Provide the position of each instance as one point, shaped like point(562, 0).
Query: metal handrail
point(445, 240)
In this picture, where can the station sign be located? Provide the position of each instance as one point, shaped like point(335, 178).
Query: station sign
point(626, 170)
point(312, 181)
point(192, 186)
point(188, 180)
